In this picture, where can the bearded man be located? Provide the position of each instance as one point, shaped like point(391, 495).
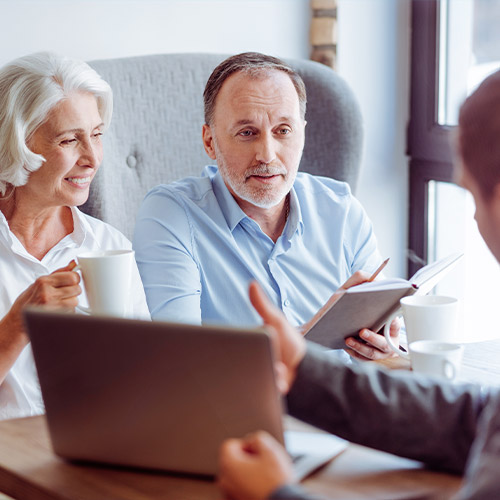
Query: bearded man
point(201, 240)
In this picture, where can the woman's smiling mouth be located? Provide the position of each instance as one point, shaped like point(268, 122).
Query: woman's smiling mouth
point(79, 181)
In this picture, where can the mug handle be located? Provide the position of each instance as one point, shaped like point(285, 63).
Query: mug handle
point(80, 308)
point(449, 370)
point(387, 335)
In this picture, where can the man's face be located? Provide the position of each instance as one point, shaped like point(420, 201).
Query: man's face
point(487, 213)
point(257, 137)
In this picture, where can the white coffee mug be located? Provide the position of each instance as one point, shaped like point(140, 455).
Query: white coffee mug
point(107, 279)
point(426, 317)
point(438, 359)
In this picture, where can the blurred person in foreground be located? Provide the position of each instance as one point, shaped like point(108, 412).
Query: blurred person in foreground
point(53, 112)
point(455, 428)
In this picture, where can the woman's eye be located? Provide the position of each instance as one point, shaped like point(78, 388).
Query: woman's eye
point(68, 141)
point(97, 135)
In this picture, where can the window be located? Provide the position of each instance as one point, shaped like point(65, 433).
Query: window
point(455, 45)
point(468, 51)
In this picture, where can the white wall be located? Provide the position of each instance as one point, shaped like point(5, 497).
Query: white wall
point(373, 56)
point(99, 29)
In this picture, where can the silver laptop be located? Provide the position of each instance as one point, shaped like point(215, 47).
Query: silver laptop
point(154, 395)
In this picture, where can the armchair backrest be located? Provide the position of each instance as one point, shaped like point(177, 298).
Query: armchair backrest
point(155, 134)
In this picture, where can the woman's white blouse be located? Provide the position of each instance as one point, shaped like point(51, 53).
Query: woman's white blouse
point(20, 392)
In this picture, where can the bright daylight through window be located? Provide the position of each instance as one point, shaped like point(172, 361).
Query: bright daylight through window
point(469, 41)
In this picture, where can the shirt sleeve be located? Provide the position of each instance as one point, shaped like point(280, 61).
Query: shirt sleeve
point(397, 412)
point(164, 247)
point(362, 243)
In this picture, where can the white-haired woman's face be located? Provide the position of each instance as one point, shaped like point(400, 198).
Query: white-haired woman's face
point(70, 142)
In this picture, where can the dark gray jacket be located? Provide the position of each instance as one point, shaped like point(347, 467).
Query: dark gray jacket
point(450, 427)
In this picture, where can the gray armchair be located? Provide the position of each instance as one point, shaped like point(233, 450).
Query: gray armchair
point(155, 134)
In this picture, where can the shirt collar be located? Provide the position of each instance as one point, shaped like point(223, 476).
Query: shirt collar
point(228, 205)
point(295, 222)
point(80, 227)
point(5, 230)
point(80, 230)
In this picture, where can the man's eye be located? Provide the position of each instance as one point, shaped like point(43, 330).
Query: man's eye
point(246, 133)
point(284, 131)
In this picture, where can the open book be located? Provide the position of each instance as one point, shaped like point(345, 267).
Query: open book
point(370, 304)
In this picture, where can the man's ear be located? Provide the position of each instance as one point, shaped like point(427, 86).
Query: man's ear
point(496, 199)
point(208, 141)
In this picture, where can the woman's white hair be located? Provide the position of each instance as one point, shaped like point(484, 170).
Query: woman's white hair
point(30, 87)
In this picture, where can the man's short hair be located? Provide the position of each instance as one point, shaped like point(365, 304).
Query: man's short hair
point(30, 87)
point(479, 134)
point(254, 64)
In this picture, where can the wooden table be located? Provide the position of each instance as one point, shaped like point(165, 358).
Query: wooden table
point(30, 471)
point(481, 363)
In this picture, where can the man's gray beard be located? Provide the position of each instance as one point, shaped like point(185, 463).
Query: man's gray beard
point(264, 198)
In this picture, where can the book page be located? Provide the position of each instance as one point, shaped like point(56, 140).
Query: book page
point(386, 284)
point(428, 277)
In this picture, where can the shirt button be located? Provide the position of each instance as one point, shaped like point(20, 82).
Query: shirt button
point(286, 303)
point(131, 161)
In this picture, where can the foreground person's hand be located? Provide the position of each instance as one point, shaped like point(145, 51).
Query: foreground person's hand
point(289, 344)
point(253, 467)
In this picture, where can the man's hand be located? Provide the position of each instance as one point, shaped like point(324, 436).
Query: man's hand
point(289, 344)
point(374, 346)
point(253, 467)
point(356, 279)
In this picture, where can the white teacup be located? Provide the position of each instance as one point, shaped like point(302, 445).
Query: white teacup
point(106, 278)
point(426, 317)
point(438, 359)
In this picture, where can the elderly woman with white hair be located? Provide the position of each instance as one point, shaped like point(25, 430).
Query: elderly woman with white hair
point(53, 112)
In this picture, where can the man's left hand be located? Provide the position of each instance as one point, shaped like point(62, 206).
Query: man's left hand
point(373, 346)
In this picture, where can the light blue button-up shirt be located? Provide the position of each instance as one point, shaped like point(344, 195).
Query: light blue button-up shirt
point(197, 251)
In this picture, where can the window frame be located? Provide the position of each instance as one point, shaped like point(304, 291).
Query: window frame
point(428, 142)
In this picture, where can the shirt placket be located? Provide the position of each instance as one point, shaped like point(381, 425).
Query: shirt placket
point(276, 271)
